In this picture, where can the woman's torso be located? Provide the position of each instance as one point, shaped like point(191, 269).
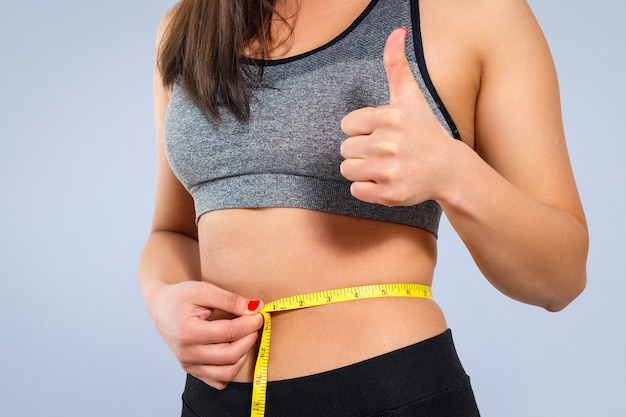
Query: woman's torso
point(276, 252)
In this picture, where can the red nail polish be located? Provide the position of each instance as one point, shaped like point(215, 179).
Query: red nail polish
point(253, 305)
point(406, 33)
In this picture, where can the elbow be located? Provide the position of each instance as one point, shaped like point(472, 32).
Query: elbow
point(573, 279)
point(564, 296)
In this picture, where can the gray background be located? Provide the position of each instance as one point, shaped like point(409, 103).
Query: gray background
point(76, 194)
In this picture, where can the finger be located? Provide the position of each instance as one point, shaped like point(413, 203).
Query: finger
point(361, 170)
point(214, 297)
point(375, 193)
point(354, 147)
point(223, 331)
point(217, 376)
point(218, 353)
point(366, 191)
point(399, 75)
point(353, 170)
point(359, 122)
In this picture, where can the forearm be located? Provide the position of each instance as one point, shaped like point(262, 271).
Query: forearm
point(529, 250)
point(168, 258)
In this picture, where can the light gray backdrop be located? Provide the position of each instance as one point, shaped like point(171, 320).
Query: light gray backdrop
point(76, 194)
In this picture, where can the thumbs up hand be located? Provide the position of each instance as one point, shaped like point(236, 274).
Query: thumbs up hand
point(396, 154)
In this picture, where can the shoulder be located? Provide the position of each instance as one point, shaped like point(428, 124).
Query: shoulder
point(163, 47)
point(166, 21)
point(481, 10)
point(466, 43)
point(487, 57)
point(483, 23)
point(503, 22)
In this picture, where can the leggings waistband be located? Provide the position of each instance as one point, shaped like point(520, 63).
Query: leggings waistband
point(390, 381)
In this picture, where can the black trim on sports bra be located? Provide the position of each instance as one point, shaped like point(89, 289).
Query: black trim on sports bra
point(421, 62)
point(346, 32)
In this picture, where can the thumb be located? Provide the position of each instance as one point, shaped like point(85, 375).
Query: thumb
point(399, 76)
point(214, 297)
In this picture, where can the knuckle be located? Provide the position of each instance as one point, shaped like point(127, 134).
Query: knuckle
point(390, 116)
point(230, 372)
point(389, 175)
point(231, 333)
point(211, 381)
point(385, 176)
point(185, 358)
point(232, 301)
point(234, 330)
point(231, 357)
point(179, 355)
point(219, 385)
point(188, 359)
point(224, 374)
point(184, 353)
point(389, 197)
point(185, 336)
point(388, 147)
point(200, 290)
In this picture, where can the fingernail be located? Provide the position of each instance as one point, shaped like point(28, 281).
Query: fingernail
point(253, 305)
point(406, 33)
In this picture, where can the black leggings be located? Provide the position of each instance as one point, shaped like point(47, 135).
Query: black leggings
point(422, 380)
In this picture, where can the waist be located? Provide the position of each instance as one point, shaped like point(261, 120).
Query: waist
point(269, 254)
point(319, 339)
point(273, 253)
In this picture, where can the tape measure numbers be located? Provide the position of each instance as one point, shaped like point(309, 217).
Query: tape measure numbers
point(259, 386)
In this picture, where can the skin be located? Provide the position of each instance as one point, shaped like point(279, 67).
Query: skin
point(507, 189)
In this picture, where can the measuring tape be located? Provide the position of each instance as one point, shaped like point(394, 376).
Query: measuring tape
point(259, 386)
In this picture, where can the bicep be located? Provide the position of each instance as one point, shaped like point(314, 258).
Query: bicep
point(519, 129)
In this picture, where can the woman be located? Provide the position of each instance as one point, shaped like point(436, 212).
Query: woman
point(306, 146)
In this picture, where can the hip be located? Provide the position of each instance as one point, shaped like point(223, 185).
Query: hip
point(425, 378)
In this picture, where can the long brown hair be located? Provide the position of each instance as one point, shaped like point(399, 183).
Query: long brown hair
point(204, 50)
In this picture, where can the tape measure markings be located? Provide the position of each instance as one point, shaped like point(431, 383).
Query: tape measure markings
point(314, 299)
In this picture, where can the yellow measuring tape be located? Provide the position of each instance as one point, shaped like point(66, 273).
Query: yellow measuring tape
point(259, 386)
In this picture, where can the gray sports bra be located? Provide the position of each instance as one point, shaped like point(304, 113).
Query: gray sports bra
point(287, 155)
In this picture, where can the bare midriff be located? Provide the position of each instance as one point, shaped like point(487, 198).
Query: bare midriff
point(272, 253)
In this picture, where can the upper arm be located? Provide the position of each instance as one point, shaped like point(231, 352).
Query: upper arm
point(174, 208)
point(519, 130)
